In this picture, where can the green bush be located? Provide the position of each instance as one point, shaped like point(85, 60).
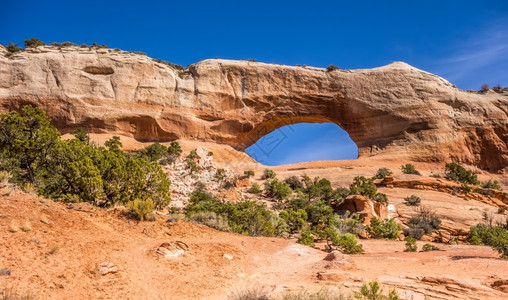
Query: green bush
point(429, 247)
point(192, 155)
point(255, 188)
point(346, 223)
point(249, 173)
point(363, 186)
point(411, 244)
point(174, 148)
point(458, 173)
point(32, 151)
point(344, 242)
point(192, 166)
point(293, 182)
point(219, 174)
point(423, 223)
point(244, 217)
point(142, 209)
point(154, 152)
point(33, 43)
point(12, 48)
point(331, 68)
point(493, 236)
point(211, 219)
point(409, 169)
point(268, 174)
point(295, 219)
point(172, 65)
point(492, 185)
point(382, 173)
point(366, 187)
point(372, 291)
point(306, 238)
point(299, 201)
point(276, 189)
point(380, 197)
point(319, 213)
point(412, 200)
point(387, 229)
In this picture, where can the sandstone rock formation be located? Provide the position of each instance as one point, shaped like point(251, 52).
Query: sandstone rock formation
point(396, 107)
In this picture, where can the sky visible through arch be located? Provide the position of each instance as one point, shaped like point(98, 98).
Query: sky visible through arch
point(466, 42)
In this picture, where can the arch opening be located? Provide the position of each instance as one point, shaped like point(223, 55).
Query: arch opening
point(303, 142)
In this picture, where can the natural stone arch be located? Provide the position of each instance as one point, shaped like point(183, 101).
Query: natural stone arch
point(414, 114)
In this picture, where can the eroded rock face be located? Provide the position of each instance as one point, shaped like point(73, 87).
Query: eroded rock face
point(396, 107)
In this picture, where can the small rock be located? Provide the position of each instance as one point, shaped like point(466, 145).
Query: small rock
point(107, 267)
point(70, 206)
point(335, 255)
point(5, 272)
point(227, 256)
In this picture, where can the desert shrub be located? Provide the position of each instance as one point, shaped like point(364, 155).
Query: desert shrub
point(372, 291)
point(34, 42)
point(244, 217)
point(172, 65)
point(366, 187)
point(500, 210)
point(269, 174)
point(485, 87)
point(323, 294)
point(429, 247)
point(95, 45)
point(219, 174)
point(192, 155)
point(192, 166)
point(228, 184)
point(295, 219)
point(276, 189)
point(475, 240)
point(346, 223)
point(492, 185)
point(424, 223)
point(458, 173)
point(81, 135)
point(344, 242)
point(4, 176)
point(409, 169)
point(142, 209)
point(12, 48)
point(363, 186)
point(380, 197)
point(387, 229)
point(321, 189)
point(331, 68)
point(293, 182)
point(31, 150)
point(412, 200)
point(249, 173)
point(154, 152)
point(255, 188)
point(411, 244)
point(382, 173)
point(212, 220)
point(493, 236)
point(174, 149)
point(306, 238)
point(318, 213)
point(299, 201)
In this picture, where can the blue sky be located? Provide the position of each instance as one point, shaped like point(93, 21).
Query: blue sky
point(466, 42)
